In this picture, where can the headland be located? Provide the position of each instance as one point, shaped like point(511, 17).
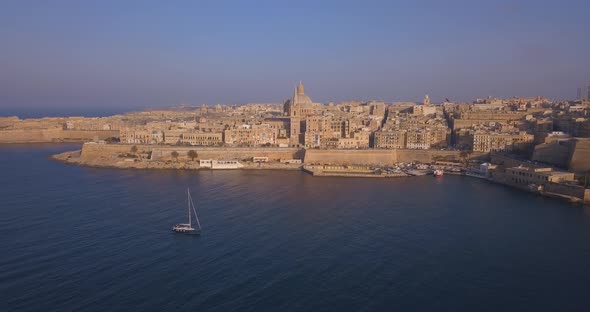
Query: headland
point(534, 143)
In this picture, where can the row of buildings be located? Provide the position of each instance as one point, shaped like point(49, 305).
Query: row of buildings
point(486, 125)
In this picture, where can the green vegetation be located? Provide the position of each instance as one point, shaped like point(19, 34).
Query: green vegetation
point(465, 155)
point(192, 154)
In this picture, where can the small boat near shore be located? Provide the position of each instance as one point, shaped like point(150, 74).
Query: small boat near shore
point(438, 173)
point(417, 172)
point(188, 228)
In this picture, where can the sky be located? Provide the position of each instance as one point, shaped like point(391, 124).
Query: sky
point(130, 54)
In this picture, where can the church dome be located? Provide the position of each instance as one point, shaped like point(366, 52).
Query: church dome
point(303, 99)
point(299, 98)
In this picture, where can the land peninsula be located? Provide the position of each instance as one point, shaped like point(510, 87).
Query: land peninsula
point(530, 143)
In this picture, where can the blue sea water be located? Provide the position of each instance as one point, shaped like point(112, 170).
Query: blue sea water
point(89, 239)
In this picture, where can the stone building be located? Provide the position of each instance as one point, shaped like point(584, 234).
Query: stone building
point(298, 108)
point(202, 138)
point(251, 135)
point(173, 136)
point(485, 141)
point(538, 176)
point(141, 136)
point(393, 139)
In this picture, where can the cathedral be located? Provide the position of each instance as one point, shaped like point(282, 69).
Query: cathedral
point(300, 104)
point(297, 109)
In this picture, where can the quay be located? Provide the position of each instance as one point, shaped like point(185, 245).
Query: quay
point(350, 171)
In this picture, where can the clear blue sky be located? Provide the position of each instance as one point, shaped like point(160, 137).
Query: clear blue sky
point(157, 53)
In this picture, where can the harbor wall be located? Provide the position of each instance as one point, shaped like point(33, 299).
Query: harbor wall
point(568, 190)
point(380, 157)
point(54, 135)
point(351, 157)
point(229, 153)
point(92, 151)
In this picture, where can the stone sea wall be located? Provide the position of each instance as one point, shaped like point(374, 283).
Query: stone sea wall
point(54, 135)
point(380, 157)
point(576, 191)
point(351, 157)
point(93, 151)
point(99, 154)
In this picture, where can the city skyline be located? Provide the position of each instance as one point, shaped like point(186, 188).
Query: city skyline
point(294, 155)
point(118, 55)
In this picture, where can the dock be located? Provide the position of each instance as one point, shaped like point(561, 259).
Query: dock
point(350, 171)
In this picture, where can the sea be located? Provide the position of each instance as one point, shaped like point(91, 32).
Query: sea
point(93, 239)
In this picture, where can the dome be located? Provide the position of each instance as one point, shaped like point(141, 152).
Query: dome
point(299, 98)
point(303, 99)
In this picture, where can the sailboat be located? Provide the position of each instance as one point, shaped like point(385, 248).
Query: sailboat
point(187, 228)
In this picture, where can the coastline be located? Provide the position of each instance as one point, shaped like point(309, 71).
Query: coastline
point(74, 158)
point(158, 158)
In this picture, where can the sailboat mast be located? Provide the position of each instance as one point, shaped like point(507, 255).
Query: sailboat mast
point(188, 192)
point(196, 216)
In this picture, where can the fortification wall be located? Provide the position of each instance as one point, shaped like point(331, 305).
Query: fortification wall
point(580, 161)
point(351, 157)
point(22, 136)
point(554, 153)
point(379, 157)
point(507, 161)
point(93, 151)
point(428, 156)
point(221, 153)
point(569, 190)
point(467, 123)
point(54, 135)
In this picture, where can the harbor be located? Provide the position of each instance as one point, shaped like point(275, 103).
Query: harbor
point(400, 171)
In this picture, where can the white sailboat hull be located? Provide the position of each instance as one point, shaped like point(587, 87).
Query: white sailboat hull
point(185, 229)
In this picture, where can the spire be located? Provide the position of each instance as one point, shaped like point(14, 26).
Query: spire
point(300, 89)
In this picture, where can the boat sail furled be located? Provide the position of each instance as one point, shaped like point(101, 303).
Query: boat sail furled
point(188, 228)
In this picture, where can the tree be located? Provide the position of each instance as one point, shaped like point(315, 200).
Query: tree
point(134, 149)
point(465, 155)
point(192, 154)
point(112, 140)
point(174, 155)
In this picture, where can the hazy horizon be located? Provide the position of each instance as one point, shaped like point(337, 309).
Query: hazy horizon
point(107, 54)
